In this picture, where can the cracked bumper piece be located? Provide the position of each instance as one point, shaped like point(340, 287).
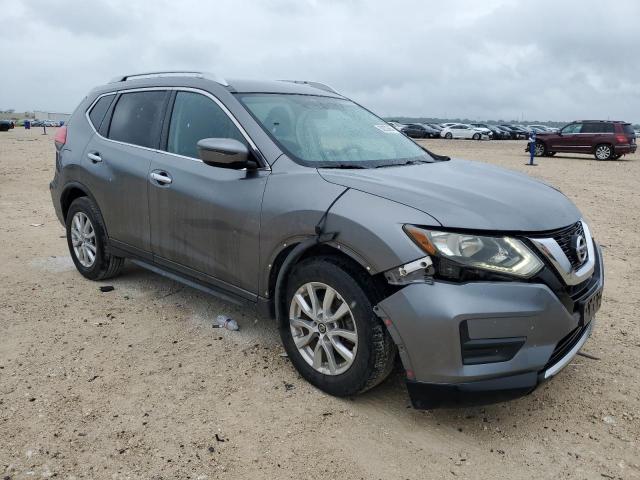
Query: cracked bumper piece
point(434, 324)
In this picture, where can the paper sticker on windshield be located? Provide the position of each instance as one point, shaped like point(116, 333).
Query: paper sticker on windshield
point(386, 128)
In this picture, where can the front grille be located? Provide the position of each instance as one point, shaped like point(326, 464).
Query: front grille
point(565, 345)
point(563, 237)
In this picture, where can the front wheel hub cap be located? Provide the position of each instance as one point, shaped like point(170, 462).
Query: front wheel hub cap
point(323, 328)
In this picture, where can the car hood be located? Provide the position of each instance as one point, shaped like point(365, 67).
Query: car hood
point(467, 195)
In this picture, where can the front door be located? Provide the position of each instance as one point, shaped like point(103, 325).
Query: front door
point(569, 139)
point(205, 220)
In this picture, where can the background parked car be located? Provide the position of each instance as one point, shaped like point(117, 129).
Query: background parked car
point(435, 126)
point(5, 125)
point(496, 132)
point(463, 130)
point(516, 131)
point(604, 139)
point(418, 130)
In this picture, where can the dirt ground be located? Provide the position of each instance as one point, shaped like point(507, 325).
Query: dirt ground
point(135, 383)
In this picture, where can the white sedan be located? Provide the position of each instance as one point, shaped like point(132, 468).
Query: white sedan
point(462, 130)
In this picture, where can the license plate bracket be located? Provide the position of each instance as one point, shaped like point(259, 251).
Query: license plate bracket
point(589, 307)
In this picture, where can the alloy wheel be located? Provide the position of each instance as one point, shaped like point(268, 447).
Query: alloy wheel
point(83, 239)
point(323, 328)
point(539, 150)
point(603, 152)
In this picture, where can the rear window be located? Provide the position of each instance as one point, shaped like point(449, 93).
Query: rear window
point(96, 115)
point(628, 129)
point(137, 118)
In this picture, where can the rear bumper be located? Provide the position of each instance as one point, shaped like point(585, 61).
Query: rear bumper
point(625, 148)
point(55, 199)
point(440, 330)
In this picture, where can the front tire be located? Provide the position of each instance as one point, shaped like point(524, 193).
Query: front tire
point(87, 241)
point(448, 136)
point(332, 335)
point(603, 152)
point(539, 149)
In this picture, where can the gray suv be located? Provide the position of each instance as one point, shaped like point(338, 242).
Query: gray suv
point(364, 246)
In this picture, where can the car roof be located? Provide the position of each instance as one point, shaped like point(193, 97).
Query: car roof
point(600, 121)
point(200, 80)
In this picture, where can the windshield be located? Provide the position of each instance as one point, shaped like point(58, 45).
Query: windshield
point(331, 132)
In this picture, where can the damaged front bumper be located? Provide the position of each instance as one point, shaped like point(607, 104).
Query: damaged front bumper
point(484, 342)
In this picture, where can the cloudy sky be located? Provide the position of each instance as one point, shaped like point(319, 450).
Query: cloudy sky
point(481, 59)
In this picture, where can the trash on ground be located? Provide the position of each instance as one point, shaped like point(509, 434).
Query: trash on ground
point(37, 224)
point(588, 355)
point(106, 288)
point(222, 321)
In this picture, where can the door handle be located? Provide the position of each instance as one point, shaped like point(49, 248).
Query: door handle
point(94, 157)
point(161, 177)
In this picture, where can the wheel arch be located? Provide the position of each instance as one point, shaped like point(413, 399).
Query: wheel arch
point(294, 253)
point(72, 191)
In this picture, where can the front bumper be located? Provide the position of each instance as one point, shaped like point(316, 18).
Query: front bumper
point(426, 320)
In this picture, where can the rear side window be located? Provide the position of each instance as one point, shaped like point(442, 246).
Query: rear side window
point(137, 118)
point(598, 127)
point(96, 115)
point(196, 117)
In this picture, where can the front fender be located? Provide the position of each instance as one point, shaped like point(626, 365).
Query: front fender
point(370, 227)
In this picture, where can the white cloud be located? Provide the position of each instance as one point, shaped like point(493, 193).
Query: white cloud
point(489, 59)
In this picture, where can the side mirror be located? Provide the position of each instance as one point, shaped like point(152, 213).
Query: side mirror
point(225, 153)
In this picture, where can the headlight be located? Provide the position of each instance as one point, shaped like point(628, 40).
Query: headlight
point(503, 255)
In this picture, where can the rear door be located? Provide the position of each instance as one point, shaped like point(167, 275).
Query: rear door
point(595, 133)
point(119, 157)
point(205, 220)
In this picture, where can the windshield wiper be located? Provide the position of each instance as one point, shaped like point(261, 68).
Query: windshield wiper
point(408, 162)
point(343, 165)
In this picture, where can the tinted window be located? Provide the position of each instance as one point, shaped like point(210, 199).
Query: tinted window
point(96, 115)
point(196, 117)
point(137, 118)
point(599, 127)
point(627, 128)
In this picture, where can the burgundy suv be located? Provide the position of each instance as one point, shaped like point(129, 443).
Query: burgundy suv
point(602, 138)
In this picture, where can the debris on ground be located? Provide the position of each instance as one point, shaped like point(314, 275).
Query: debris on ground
point(37, 224)
point(588, 355)
point(106, 288)
point(222, 321)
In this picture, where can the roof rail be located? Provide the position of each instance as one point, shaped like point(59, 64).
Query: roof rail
point(171, 73)
point(321, 86)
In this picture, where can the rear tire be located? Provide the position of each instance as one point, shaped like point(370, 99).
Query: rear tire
point(603, 152)
point(306, 332)
point(476, 136)
point(88, 242)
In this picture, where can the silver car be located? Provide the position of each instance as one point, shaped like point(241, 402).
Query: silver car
point(365, 247)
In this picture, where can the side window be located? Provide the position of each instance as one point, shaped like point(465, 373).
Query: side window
point(137, 118)
point(195, 117)
point(573, 128)
point(599, 127)
point(97, 113)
